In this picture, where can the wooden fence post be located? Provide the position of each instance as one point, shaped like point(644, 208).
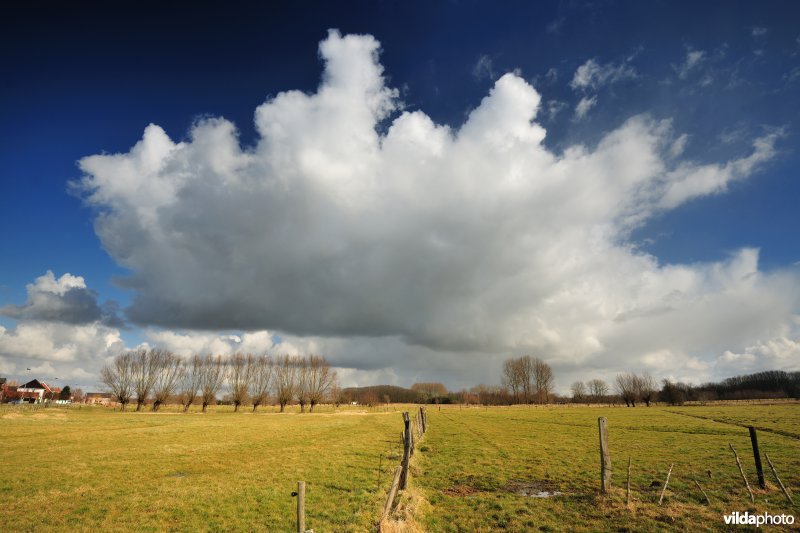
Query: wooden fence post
point(406, 450)
point(301, 507)
point(757, 456)
point(605, 457)
point(392, 493)
point(785, 492)
point(628, 484)
point(664, 490)
point(741, 471)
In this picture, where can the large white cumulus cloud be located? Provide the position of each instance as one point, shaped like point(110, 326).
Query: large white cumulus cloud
point(470, 240)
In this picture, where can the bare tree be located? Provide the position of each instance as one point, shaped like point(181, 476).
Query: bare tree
point(646, 388)
point(511, 378)
point(285, 380)
point(321, 378)
point(118, 377)
point(260, 379)
point(145, 370)
point(626, 386)
point(240, 371)
point(192, 378)
point(212, 378)
point(598, 389)
point(543, 380)
point(302, 383)
point(526, 366)
point(578, 391)
point(168, 377)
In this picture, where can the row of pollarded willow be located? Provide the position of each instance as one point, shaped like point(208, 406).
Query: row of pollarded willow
point(159, 375)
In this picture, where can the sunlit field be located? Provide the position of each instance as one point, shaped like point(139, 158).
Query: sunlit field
point(476, 469)
point(478, 462)
point(97, 469)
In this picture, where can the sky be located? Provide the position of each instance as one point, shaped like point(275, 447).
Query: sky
point(415, 190)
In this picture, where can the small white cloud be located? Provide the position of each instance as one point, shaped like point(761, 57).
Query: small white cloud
point(483, 68)
point(592, 75)
point(679, 145)
point(583, 107)
point(694, 58)
point(759, 31)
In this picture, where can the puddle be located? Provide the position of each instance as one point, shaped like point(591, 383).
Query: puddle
point(534, 489)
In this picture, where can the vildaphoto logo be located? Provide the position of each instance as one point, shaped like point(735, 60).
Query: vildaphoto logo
point(765, 519)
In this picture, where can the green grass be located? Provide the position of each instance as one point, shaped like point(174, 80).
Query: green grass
point(475, 460)
point(101, 470)
point(95, 469)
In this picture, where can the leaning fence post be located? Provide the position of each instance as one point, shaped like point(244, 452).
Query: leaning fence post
point(785, 492)
point(741, 471)
point(605, 457)
point(406, 450)
point(301, 506)
point(390, 498)
point(757, 456)
point(664, 490)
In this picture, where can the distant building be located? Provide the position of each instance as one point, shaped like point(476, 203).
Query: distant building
point(36, 391)
point(98, 398)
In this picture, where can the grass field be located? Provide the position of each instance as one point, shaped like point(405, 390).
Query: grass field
point(100, 470)
point(477, 462)
point(95, 469)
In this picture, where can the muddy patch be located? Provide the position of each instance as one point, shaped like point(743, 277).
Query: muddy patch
point(534, 489)
point(461, 490)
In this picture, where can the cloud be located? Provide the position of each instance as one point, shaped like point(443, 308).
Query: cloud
point(780, 353)
point(68, 349)
point(694, 58)
point(592, 75)
point(759, 31)
point(66, 299)
point(584, 106)
point(430, 250)
point(483, 68)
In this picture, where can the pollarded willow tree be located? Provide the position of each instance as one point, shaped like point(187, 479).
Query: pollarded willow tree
point(285, 376)
point(260, 379)
point(191, 382)
point(239, 375)
point(168, 377)
point(211, 378)
point(320, 380)
point(118, 377)
point(145, 371)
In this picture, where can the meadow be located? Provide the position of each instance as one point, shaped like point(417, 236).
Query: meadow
point(476, 469)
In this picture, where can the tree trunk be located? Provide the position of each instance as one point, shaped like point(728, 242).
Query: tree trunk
point(236, 407)
point(139, 404)
point(123, 406)
point(302, 407)
point(283, 405)
point(313, 404)
point(204, 406)
point(186, 408)
point(254, 407)
point(156, 405)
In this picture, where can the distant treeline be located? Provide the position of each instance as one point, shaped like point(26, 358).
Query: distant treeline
point(378, 394)
point(761, 385)
point(627, 388)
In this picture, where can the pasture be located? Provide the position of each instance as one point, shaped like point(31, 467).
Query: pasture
point(476, 469)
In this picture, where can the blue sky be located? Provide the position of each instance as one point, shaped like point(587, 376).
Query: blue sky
point(706, 81)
